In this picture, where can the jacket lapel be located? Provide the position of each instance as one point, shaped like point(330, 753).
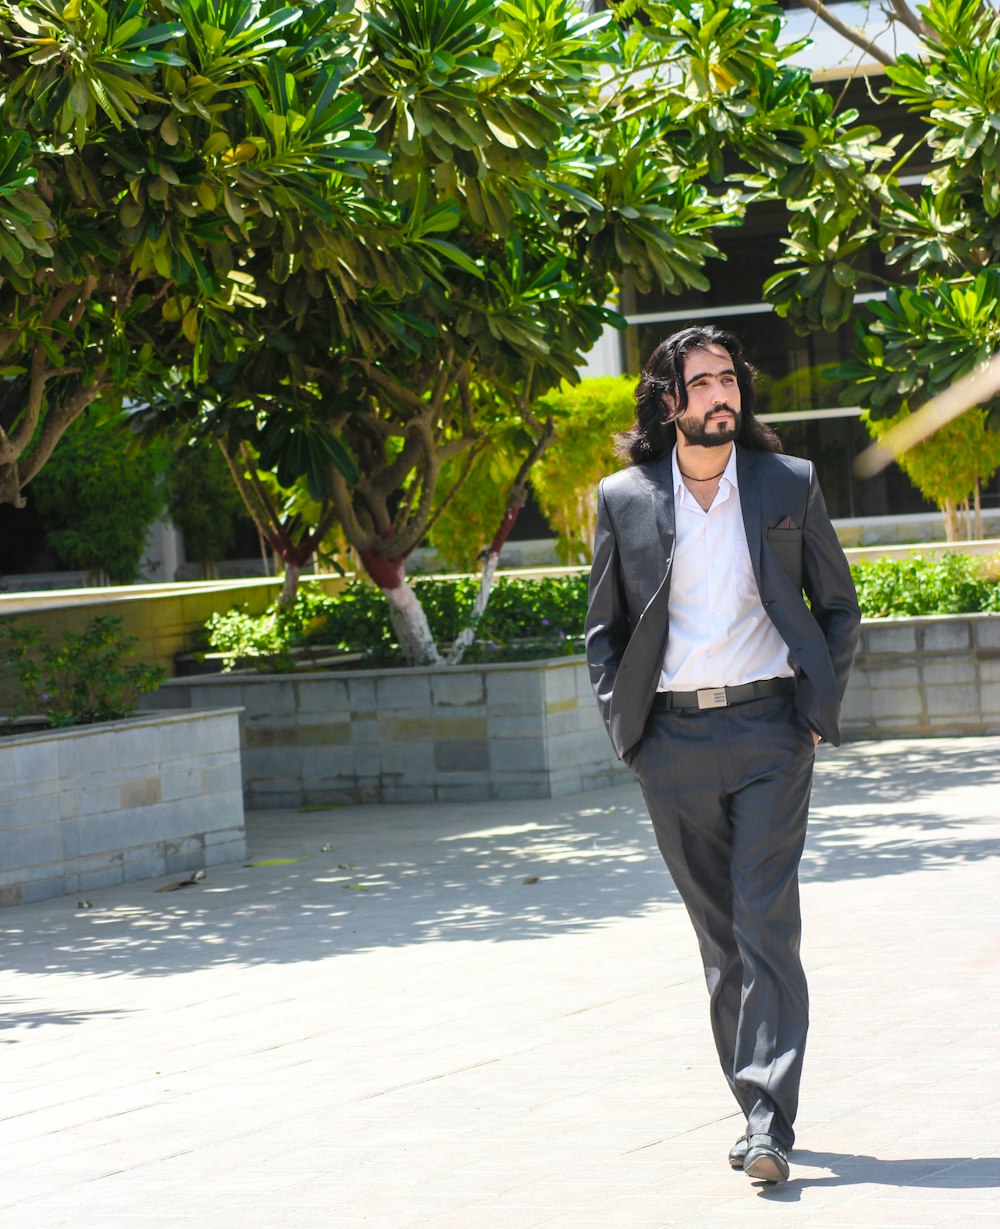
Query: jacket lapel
point(659, 478)
point(750, 504)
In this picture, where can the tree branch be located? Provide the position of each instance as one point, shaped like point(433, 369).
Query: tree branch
point(519, 487)
point(8, 337)
point(279, 531)
point(249, 496)
point(452, 448)
point(62, 299)
point(394, 475)
point(57, 421)
point(11, 446)
point(853, 35)
point(906, 16)
point(325, 523)
point(474, 451)
point(360, 538)
point(397, 391)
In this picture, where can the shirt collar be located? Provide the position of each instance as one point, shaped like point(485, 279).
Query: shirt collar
point(728, 474)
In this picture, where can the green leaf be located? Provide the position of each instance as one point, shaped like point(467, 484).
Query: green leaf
point(278, 861)
point(455, 255)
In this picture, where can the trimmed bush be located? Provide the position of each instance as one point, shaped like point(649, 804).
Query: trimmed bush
point(532, 619)
point(525, 620)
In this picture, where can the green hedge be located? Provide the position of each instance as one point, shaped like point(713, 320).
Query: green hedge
point(528, 619)
point(949, 584)
point(525, 620)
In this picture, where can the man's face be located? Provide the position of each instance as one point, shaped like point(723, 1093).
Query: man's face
point(712, 416)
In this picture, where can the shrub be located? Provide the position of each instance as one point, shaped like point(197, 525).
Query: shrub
point(81, 679)
point(949, 584)
point(525, 619)
point(99, 495)
point(203, 502)
point(530, 619)
point(266, 639)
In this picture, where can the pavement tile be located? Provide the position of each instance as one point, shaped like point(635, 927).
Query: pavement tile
point(456, 1050)
point(887, 1211)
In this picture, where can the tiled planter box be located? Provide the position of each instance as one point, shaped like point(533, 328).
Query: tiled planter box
point(520, 730)
point(919, 677)
point(92, 806)
point(531, 729)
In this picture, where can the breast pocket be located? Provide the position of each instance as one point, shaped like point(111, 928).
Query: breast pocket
point(787, 546)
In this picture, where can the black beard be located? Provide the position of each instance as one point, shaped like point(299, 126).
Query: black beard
point(696, 433)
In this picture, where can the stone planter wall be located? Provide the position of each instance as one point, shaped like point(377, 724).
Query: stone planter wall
point(93, 806)
point(919, 677)
point(523, 730)
point(531, 729)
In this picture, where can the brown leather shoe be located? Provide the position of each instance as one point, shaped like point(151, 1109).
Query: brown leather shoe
point(765, 1159)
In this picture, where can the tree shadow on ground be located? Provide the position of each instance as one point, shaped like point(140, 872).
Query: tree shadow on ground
point(12, 1016)
point(358, 878)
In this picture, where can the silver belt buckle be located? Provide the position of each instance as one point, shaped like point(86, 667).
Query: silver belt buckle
point(712, 697)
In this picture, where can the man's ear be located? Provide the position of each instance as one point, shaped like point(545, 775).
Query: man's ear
point(671, 410)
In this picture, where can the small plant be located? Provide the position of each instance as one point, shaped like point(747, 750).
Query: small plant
point(82, 678)
point(266, 639)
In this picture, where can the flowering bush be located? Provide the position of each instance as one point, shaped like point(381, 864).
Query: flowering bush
point(81, 679)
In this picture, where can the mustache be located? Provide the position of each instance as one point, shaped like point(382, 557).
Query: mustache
point(676, 413)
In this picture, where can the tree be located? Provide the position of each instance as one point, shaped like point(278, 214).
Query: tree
point(543, 155)
point(941, 316)
point(505, 161)
point(949, 467)
point(127, 207)
point(335, 238)
point(589, 415)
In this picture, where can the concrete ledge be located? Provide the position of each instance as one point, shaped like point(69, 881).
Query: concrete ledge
point(517, 730)
point(97, 805)
point(927, 676)
point(531, 729)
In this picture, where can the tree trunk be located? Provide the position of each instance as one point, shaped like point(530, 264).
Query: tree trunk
point(409, 621)
point(950, 511)
point(516, 500)
point(978, 505)
point(468, 633)
point(290, 584)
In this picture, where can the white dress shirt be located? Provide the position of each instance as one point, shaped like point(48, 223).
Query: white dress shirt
point(719, 633)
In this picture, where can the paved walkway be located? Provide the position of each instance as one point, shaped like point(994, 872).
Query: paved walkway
point(492, 1016)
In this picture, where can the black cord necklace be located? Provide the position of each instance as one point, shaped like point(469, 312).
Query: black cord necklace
point(690, 478)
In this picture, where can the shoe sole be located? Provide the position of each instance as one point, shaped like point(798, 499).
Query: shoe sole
point(766, 1168)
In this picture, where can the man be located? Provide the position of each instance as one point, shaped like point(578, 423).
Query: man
point(716, 680)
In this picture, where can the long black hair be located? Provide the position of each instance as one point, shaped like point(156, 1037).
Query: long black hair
point(655, 431)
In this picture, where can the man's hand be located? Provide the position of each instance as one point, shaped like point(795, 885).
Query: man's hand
point(816, 738)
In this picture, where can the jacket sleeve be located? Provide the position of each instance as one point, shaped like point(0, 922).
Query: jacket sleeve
point(833, 601)
point(607, 627)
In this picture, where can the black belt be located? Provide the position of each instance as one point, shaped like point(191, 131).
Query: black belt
point(722, 697)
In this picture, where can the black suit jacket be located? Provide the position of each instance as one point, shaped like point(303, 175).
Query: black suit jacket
point(793, 547)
